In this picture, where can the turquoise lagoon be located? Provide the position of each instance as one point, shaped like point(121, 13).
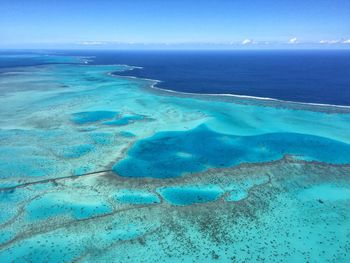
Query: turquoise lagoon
point(101, 168)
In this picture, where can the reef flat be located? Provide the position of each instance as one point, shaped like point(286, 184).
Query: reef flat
point(96, 167)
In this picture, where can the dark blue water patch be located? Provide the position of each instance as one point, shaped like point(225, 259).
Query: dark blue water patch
point(174, 153)
point(13, 59)
point(317, 76)
point(92, 116)
point(189, 195)
point(136, 197)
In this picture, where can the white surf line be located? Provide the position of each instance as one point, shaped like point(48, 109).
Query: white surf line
point(246, 97)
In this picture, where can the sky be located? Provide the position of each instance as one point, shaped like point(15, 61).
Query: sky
point(178, 23)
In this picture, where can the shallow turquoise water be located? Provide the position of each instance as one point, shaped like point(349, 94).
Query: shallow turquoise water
point(49, 206)
point(326, 192)
point(102, 168)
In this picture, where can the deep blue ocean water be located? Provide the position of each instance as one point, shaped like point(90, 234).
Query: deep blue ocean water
point(311, 76)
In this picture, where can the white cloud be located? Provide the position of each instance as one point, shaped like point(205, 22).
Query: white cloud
point(293, 40)
point(247, 42)
point(92, 43)
point(329, 41)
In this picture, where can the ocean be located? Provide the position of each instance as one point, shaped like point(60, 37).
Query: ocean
point(96, 166)
point(309, 76)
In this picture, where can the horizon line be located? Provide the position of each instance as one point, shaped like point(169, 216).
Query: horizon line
point(332, 48)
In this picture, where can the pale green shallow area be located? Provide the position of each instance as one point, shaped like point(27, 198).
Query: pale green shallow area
point(61, 201)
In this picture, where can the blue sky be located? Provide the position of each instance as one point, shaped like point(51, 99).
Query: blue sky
point(103, 23)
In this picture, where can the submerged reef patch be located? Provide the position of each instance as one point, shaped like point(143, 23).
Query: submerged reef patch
point(239, 191)
point(108, 118)
point(125, 120)
point(237, 195)
point(102, 138)
point(84, 170)
point(136, 197)
point(74, 151)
